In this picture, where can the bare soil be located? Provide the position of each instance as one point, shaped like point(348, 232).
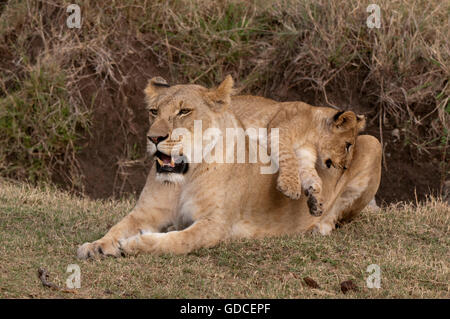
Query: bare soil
point(119, 123)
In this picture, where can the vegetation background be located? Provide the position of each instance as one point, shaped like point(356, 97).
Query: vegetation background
point(71, 102)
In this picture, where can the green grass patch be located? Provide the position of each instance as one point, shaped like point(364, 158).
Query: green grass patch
point(43, 228)
point(39, 125)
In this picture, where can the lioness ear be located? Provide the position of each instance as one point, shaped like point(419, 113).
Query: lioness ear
point(222, 94)
point(154, 87)
point(360, 122)
point(344, 121)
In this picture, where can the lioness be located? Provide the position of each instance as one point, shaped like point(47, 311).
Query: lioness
point(211, 202)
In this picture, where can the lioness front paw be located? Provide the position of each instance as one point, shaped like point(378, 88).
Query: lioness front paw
point(315, 202)
point(289, 186)
point(97, 249)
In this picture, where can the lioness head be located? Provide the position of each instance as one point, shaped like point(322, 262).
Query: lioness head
point(336, 143)
point(172, 112)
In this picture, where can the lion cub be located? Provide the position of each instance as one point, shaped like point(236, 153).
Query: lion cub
point(307, 135)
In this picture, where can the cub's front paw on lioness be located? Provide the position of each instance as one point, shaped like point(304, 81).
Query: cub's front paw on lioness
point(98, 249)
point(289, 185)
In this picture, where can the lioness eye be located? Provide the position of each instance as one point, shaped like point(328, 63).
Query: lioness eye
point(154, 112)
point(347, 146)
point(184, 111)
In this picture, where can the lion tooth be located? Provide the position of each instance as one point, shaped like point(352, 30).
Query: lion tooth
point(160, 162)
point(172, 162)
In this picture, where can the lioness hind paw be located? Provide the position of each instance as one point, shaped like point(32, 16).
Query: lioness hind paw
point(323, 229)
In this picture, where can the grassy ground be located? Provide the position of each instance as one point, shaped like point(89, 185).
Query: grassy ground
point(43, 227)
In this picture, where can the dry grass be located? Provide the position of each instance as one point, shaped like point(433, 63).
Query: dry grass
point(399, 73)
point(39, 127)
point(43, 227)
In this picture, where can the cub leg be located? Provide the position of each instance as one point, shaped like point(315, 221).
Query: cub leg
point(311, 182)
point(288, 181)
point(153, 211)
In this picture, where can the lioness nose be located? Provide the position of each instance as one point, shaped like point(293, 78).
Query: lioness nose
point(157, 139)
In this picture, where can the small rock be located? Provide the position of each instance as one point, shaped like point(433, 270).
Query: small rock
point(348, 285)
point(311, 282)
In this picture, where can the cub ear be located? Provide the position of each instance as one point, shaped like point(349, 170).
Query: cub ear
point(222, 94)
point(360, 122)
point(344, 120)
point(154, 87)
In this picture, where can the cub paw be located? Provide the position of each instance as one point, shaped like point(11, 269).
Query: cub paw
point(313, 186)
point(289, 187)
point(315, 202)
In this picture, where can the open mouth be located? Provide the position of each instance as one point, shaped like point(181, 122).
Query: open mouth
point(168, 164)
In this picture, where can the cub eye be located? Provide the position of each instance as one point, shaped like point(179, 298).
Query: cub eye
point(347, 146)
point(154, 112)
point(184, 112)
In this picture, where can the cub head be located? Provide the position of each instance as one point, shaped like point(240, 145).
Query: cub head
point(337, 142)
point(174, 112)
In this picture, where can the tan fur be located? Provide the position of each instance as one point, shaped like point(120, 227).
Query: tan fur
point(310, 135)
point(213, 202)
